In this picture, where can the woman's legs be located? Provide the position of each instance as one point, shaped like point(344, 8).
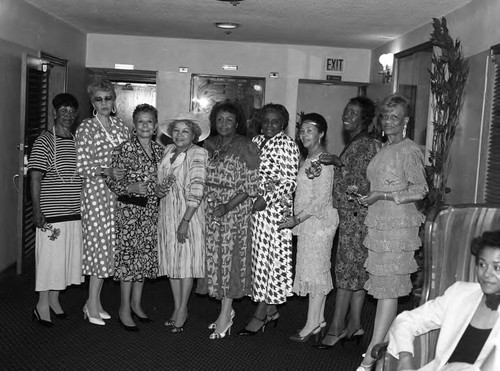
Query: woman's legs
point(135, 304)
point(94, 301)
point(124, 312)
point(183, 290)
point(386, 312)
point(175, 285)
point(43, 305)
point(260, 316)
point(225, 314)
point(316, 302)
point(357, 301)
point(342, 300)
point(54, 301)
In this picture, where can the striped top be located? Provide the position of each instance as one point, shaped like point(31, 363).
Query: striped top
point(61, 186)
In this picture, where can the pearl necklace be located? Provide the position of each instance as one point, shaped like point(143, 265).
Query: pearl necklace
point(108, 136)
point(72, 180)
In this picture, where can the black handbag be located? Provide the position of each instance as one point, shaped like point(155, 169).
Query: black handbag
point(133, 200)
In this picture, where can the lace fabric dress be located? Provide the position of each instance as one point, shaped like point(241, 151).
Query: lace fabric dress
point(393, 225)
point(232, 169)
point(315, 234)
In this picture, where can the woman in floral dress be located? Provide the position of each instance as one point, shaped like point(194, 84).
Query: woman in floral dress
point(315, 222)
point(397, 181)
point(95, 140)
point(232, 181)
point(136, 256)
point(272, 247)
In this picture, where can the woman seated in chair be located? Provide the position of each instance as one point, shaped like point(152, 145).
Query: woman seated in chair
point(467, 315)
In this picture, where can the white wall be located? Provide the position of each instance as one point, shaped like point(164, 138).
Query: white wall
point(25, 29)
point(165, 55)
point(476, 25)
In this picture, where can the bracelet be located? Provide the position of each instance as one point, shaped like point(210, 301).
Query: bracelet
point(385, 196)
point(186, 220)
point(102, 173)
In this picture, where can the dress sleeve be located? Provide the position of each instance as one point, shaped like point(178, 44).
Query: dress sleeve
point(418, 321)
point(39, 157)
point(288, 156)
point(195, 180)
point(413, 166)
point(86, 162)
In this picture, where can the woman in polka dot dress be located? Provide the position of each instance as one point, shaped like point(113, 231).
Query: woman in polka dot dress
point(95, 139)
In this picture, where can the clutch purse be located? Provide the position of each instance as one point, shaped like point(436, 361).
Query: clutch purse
point(133, 200)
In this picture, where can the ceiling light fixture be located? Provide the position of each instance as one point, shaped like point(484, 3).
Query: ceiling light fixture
point(386, 60)
point(232, 2)
point(227, 25)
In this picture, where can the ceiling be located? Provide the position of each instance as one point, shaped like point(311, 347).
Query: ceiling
point(333, 23)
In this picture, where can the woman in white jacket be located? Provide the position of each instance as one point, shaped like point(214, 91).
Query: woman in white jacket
point(467, 316)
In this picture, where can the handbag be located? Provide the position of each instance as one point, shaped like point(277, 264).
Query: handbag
point(133, 200)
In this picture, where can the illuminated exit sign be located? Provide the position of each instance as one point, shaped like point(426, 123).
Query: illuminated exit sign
point(335, 65)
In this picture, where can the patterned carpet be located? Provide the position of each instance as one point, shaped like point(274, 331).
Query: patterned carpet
point(75, 344)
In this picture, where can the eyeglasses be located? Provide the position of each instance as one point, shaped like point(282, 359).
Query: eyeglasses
point(107, 98)
point(67, 111)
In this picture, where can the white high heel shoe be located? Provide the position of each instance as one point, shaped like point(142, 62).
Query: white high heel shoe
point(92, 320)
point(221, 335)
point(104, 315)
point(213, 325)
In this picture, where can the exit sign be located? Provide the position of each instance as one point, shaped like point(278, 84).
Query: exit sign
point(335, 65)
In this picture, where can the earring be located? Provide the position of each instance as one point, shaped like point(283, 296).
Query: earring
point(113, 109)
point(134, 132)
point(94, 112)
point(404, 131)
point(383, 133)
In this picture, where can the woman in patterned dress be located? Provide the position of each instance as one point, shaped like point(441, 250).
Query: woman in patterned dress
point(232, 179)
point(136, 256)
point(272, 247)
point(397, 180)
point(181, 224)
point(315, 222)
point(95, 140)
point(350, 273)
point(55, 191)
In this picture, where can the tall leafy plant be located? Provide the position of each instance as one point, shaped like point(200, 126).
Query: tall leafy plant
point(448, 76)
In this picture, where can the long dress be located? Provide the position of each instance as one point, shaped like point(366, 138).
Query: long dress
point(315, 234)
point(94, 146)
point(272, 248)
point(182, 260)
point(393, 225)
point(350, 273)
point(58, 251)
point(136, 254)
point(232, 169)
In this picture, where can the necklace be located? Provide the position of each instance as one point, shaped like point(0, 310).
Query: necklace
point(108, 136)
point(55, 159)
point(220, 147)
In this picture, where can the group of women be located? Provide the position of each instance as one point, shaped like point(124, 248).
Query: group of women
point(225, 213)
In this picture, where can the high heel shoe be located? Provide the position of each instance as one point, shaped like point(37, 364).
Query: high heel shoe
point(302, 339)
point(221, 335)
point(178, 329)
point(213, 325)
point(322, 325)
point(262, 328)
point(338, 339)
point(141, 319)
point(62, 315)
point(39, 320)
point(127, 327)
point(356, 336)
point(273, 318)
point(104, 315)
point(363, 367)
point(92, 320)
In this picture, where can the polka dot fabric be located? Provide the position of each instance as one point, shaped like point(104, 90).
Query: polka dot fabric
point(98, 202)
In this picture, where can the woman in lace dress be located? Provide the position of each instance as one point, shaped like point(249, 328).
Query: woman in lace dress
point(315, 222)
point(397, 180)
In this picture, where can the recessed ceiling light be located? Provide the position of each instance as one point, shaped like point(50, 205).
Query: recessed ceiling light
point(233, 2)
point(227, 25)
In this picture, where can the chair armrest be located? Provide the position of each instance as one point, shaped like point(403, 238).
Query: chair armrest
point(379, 350)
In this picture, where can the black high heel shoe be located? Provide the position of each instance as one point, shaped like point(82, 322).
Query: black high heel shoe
point(339, 338)
point(356, 336)
point(39, 320)
point(273, 318)
point(62, 315)
point(302, 339)
point(141, 319)
point(127, 327)
point(262, 328)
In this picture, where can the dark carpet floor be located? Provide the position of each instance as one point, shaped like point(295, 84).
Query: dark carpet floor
point(75, 344)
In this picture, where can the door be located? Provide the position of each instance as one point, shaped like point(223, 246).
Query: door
point(36, 89)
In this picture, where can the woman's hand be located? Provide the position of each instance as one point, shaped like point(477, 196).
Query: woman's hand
point(161, 190)
point(139, 188)
point(328, 159)
point(220, 210)
point(405, 362)
point(182, 231)
point(116, 173)
point(259, 204)
point(38, 218)
point(371, 198)
point(290, 222)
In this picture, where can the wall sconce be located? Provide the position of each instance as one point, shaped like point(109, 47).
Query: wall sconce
point(386, 60)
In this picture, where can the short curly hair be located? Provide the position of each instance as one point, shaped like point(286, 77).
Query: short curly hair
point(145, 108)
point(101, 85)
point(230, 107)
point(195, 128)
point(487, 239)
point(395, 100)
point(278, 108)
